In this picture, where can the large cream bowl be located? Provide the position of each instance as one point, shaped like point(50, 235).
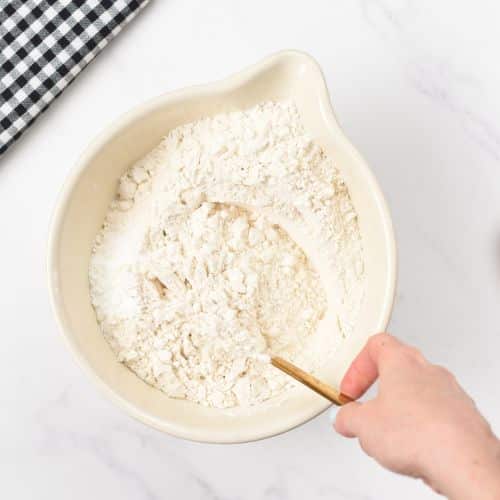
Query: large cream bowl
point(87, 193)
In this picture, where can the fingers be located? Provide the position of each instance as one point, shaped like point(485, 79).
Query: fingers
point(364, 370)
point(349, 420)
point(360, 375)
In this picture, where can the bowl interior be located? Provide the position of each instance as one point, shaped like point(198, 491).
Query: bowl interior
point(85, 200)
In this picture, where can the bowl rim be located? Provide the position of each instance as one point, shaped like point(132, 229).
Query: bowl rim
point(120, 123)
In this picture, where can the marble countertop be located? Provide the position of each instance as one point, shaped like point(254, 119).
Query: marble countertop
point(415, 85)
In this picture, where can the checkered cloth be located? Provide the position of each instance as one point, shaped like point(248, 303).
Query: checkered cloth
point(44, 44)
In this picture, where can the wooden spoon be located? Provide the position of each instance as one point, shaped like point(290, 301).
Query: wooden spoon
point(310, 381)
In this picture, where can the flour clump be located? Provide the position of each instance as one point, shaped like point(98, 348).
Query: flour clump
point(236, 236)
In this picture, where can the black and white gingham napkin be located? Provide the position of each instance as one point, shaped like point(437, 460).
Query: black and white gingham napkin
point(44, 44)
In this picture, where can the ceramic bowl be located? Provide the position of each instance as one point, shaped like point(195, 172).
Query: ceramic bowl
point(91, 186)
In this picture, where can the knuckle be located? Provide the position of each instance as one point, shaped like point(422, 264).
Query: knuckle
point(380, 341)
point(444, 373)
point(414, 354)
point(379, 338)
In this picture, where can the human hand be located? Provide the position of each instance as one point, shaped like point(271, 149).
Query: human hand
point(421, 423)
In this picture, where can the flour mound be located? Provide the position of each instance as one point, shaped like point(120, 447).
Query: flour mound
point(191, 277)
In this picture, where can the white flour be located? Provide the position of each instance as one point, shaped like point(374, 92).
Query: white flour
point(210, 255)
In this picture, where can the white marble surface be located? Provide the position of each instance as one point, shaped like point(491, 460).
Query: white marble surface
point(416, 86)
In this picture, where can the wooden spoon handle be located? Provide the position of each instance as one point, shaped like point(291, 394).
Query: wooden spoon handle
point(310, 381)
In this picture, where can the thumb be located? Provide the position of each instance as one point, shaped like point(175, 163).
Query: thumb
point(349, 419)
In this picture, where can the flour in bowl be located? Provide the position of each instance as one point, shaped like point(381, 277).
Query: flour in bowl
point(235, 236)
